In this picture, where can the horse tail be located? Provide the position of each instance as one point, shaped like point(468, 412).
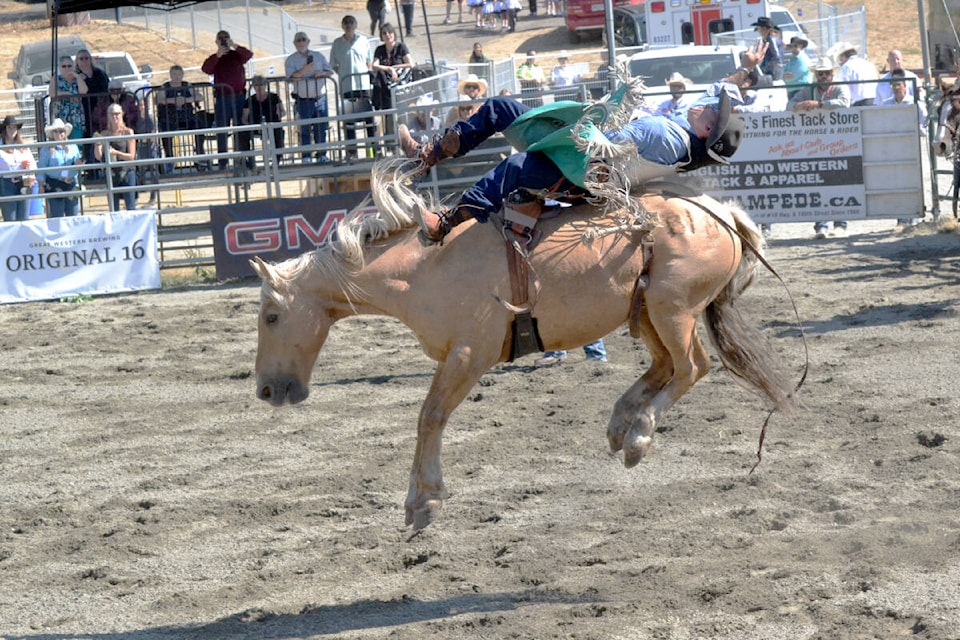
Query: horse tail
point(742, 349)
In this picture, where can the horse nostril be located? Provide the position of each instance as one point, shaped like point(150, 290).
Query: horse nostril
point(266, 392)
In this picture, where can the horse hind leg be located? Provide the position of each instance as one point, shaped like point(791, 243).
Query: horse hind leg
point(634, 399)
point(690, 362)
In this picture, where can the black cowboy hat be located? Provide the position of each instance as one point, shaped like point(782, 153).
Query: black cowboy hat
point(800, 41)
point(764, 21)
point(726, 136)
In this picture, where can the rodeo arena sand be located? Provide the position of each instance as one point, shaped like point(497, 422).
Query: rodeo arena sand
point(148, 495)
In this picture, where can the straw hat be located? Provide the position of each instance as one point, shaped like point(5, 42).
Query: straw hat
point(58, 125)
point(842, 48)
point(472, 79)
point(825, 63)
point(677, 78)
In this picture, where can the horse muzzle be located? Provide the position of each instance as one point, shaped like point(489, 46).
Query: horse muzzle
point(281, 391)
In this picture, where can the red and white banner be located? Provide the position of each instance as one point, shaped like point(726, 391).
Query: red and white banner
point(56, 257)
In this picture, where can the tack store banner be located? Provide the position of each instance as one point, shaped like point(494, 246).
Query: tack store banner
point(56, 257)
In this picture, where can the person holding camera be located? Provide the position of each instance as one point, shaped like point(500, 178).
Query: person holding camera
point(15, 160)
point(58, 172)
point(307, 71)
point(229, 85)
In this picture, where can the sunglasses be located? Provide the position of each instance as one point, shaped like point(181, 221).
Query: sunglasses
point(467, 87)
point(66, 66)
point(301, 40)
point(824, 73)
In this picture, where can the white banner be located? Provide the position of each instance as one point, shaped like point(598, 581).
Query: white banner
point(56, 257)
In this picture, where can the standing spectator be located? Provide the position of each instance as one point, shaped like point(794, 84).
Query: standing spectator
point(407, 8)
point(391, 63)
point(178, 104)
point(261, 106)
point(230, 85)
point(447, 20)
point(858, 70)
point(351, 58)
point(58, 172)
point(15, 160)
point(65, 91)
point(122, 149)
point(378, 14)
point(772, 64)
point(117, 94)
point(895, 63)
point(476, 9)
point(309, 71)
point(563, 75)
point(798, 69)
point(823, 95)
point(98, 83)
point(595, 352)
point(679, 100)
point(532, 79)
point(479, 63)
point(533, 7)
point(552, 9)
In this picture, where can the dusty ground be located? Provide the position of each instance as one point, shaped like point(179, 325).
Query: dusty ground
point(148, 494)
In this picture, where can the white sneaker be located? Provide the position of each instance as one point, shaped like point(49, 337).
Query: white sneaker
point(550, 361)
point(839, 232)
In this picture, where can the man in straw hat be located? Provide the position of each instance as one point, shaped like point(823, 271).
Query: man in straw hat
point(822, 95)
point(565, 153)
point(58, 171)
point(679, 99)
point(857, 70)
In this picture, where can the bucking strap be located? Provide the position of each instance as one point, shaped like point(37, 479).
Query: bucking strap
point(640, 287)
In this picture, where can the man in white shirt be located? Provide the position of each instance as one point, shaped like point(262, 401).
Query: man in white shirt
point(855, 69)
point(678, 100)
point(894, 63)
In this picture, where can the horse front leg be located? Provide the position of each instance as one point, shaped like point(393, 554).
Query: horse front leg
point(452, 381)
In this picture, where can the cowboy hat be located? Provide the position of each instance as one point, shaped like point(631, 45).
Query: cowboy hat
point(841, 48)
point(472, 79)
point(563, 55)
point(425, 101)
point(58, 125)
point(726, 135)
point(800, 41)
point(764, 21)
point(9, 120)
point(825, 63)
point(677, 78)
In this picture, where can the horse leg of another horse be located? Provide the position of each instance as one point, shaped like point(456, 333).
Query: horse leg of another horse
point(678, 334)
point(629, 405)
point(452, 381)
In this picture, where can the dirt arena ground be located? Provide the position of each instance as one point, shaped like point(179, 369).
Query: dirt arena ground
point(147, 494)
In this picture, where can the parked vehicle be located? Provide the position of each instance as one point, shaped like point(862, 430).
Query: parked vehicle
point(31, 68)
point(671, 23)
point(586, 18)
point(702, 65)
point(630, 26)
point(120, 65)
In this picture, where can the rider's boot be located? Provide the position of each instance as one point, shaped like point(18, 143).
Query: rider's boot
point(439, 223)
point(442, 147)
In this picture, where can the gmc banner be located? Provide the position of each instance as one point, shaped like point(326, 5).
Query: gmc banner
point(274, 229)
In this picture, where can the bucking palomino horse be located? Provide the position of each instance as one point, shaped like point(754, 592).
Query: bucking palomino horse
point(454, 297)
point(946, 141)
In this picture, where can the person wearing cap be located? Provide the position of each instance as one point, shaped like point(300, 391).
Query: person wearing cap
point(261, 106)
point(856, 70)
point(228, 68)
point(563, 75)
point(551, 139)
point(895, 63)
point(422, 123)
point(679, 99)
point(308, 72)
point(822, 95)
point(772, 64)
point(14, 160)
point(797, 70)
point(532, 79)
point(58, 172)
point(117, 94)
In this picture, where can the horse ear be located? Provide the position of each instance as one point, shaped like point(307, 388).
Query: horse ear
point(262, 268)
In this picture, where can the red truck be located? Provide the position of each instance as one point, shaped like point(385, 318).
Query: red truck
point(585, 18)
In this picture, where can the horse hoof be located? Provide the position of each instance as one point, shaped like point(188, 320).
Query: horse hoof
point(422, 517)
point(636, 449)
point(616, 441)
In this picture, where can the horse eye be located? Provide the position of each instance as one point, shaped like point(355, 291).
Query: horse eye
point(271, 318)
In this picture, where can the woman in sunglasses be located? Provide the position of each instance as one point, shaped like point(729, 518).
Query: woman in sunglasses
point(65, 91)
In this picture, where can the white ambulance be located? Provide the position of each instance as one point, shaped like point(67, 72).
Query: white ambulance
point(673, 22)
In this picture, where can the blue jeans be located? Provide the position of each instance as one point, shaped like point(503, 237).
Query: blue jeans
point(125, 178)
point(226, 111)
point(13, 211)
point(593, 351)
point(308, 109)
point(62, 206)
point(529, 170)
